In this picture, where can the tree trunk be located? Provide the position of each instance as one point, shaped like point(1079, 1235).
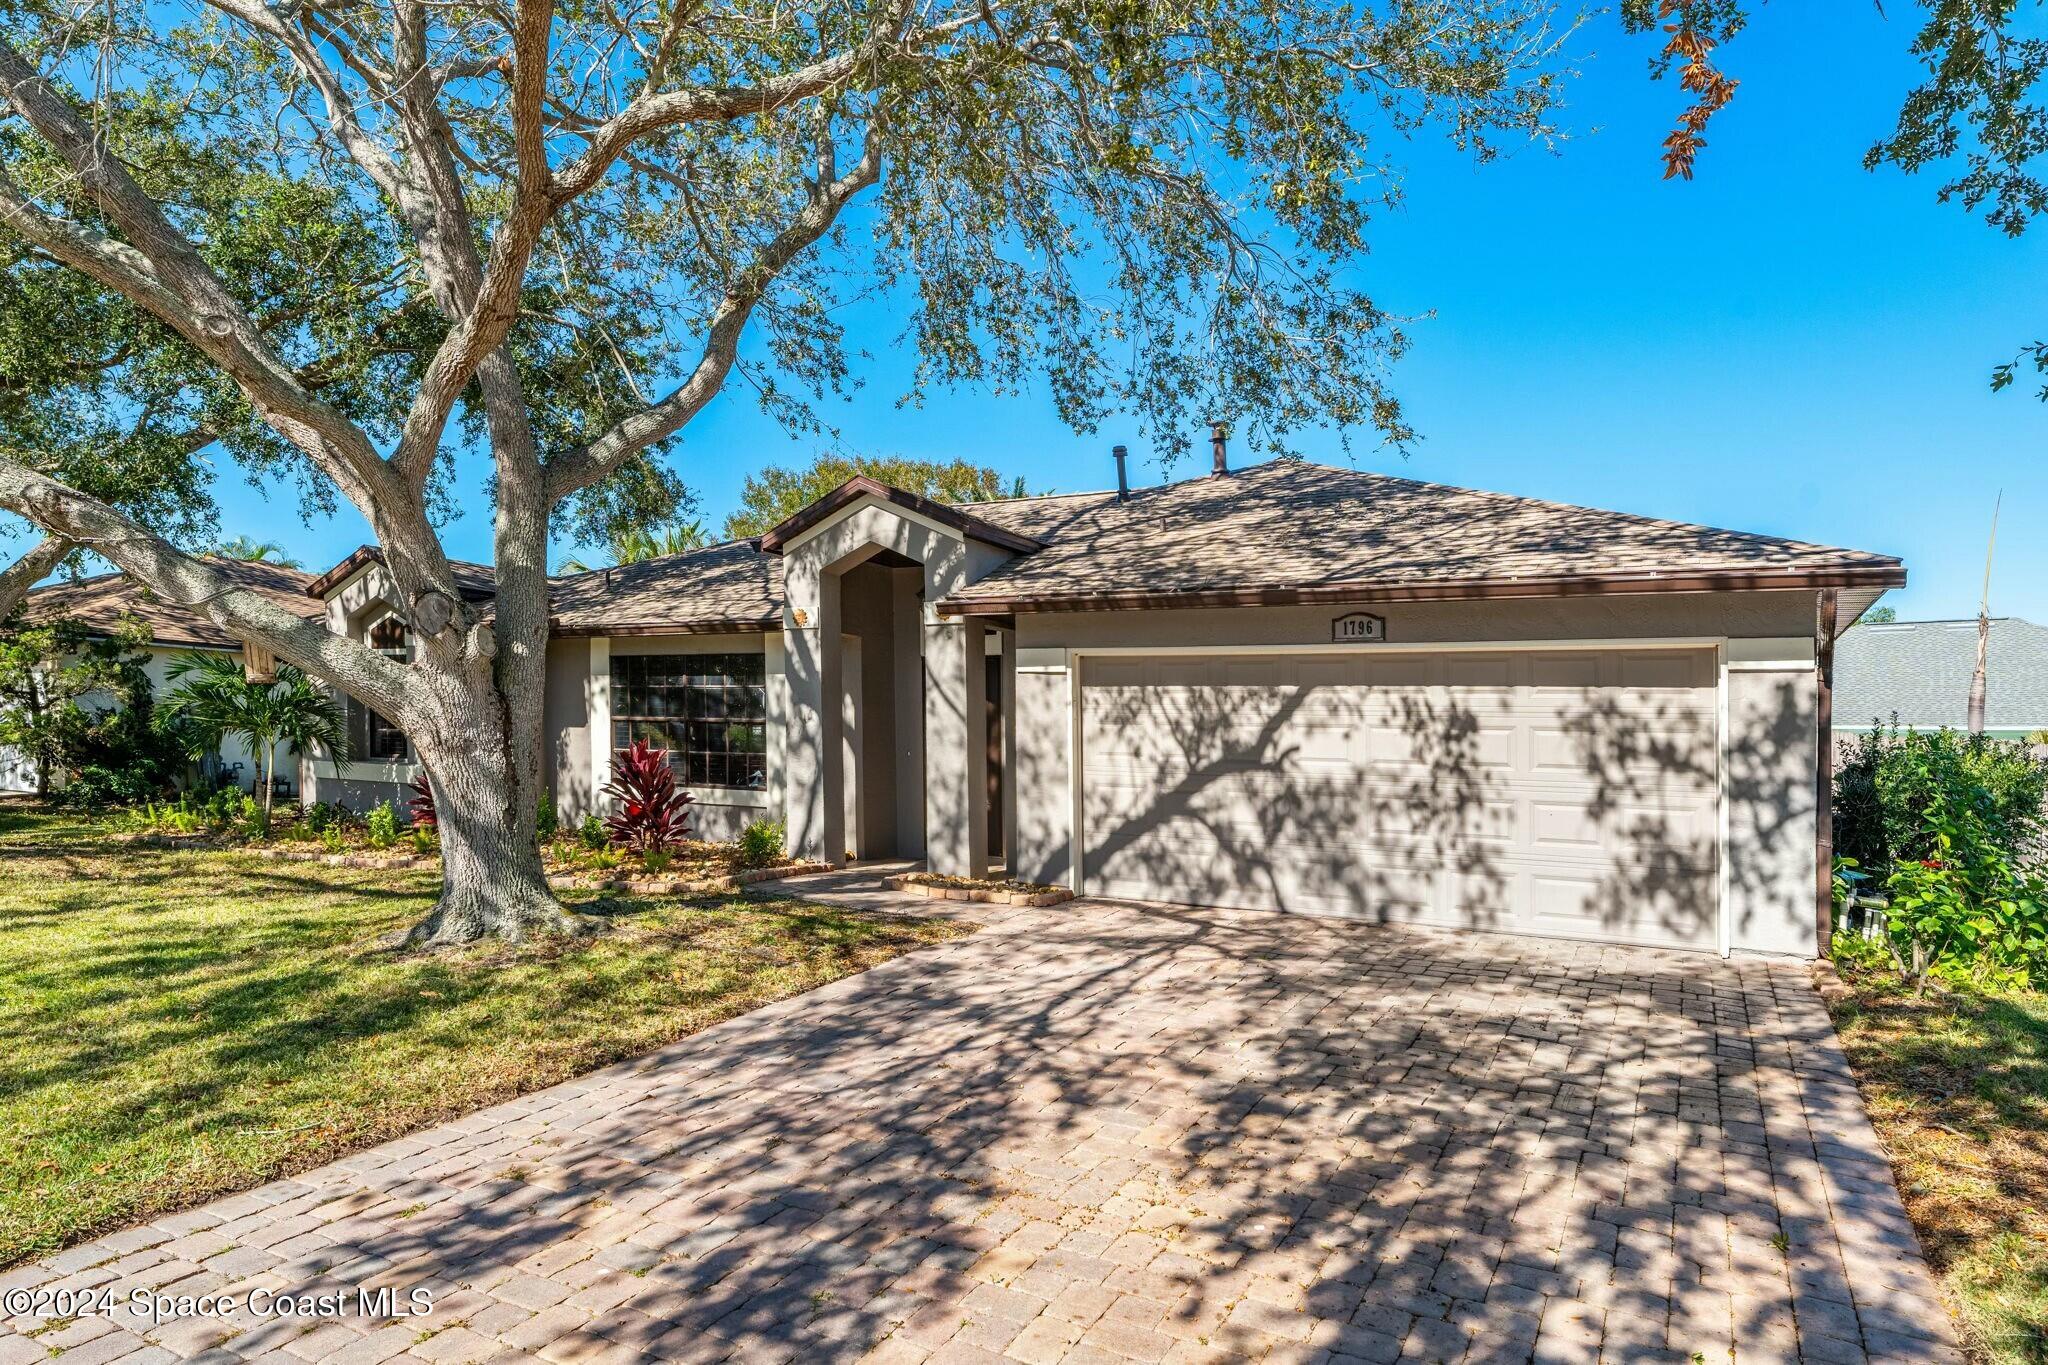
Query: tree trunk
point(269, 779)
point(493, 883)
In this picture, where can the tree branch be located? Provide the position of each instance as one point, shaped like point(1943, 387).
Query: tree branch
point(17, 578)
point(163, 272)
point(586, 465)
point(184, 581)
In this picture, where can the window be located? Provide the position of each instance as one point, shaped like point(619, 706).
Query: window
point(371, 737)
point(708, 710)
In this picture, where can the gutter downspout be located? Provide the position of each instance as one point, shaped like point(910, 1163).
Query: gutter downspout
point(1827, 607)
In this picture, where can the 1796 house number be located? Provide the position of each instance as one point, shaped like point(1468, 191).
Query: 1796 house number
point(1358, 626)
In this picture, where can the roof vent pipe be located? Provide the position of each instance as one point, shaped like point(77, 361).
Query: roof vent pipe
point(1123, 481)
point(1219, 438)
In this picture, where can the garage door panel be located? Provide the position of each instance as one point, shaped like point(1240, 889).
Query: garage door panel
point(1554, 792)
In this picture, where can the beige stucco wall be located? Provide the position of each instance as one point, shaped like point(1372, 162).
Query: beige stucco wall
point(1770, 769)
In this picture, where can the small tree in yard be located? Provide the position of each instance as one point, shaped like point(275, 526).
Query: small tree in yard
point(215, 699)
point(47, 671)
point(653, 813)
point(530, 240)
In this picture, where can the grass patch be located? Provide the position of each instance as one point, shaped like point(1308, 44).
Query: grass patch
point(181, 1025)
point(1957, 1084)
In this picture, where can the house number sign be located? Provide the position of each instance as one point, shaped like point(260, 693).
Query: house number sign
point(1358, 627)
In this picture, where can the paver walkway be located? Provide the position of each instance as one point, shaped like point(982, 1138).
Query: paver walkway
point(1102, 1133)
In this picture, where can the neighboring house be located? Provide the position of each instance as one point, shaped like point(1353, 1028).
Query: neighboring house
point(101, 601)
point(1292, 687)
point(1919, 671)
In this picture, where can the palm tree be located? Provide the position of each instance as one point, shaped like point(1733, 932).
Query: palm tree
point(214, 699)
point(265, 551)
point(635, 544)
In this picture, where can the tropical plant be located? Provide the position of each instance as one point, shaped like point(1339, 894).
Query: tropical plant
point(634, 544)
point(253, 551)
point(653, 812)
point(215, 699)
point(1971, 902)
point(420, 810)
point(760, 843)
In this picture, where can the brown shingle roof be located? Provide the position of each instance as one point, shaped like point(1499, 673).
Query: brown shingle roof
point(101, 600)
point(1310, 531)
point(476, 582)
point(733, 586)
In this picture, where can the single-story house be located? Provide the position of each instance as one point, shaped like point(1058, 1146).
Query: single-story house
point(1290, 687)
point(1920, 671)
point(102, 601)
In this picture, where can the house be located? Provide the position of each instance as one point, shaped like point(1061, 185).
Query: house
point(1920, 671)
point(1289, 687)
point(102, 601)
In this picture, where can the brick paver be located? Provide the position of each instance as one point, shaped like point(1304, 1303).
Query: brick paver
point(1113, 1133)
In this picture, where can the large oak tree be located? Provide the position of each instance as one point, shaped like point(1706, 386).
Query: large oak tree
point(1154, 206)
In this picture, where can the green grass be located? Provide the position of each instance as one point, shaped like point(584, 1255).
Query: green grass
point(1957, 1084)
point(181, 1025)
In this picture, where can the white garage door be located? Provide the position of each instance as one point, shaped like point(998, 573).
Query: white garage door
point(1569, 792)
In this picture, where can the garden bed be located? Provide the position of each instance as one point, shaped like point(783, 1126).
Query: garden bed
point(980, 890)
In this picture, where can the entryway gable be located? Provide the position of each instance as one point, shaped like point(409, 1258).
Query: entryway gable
point(859, 580)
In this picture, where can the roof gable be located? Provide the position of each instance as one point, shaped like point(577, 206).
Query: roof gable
point(860, 487)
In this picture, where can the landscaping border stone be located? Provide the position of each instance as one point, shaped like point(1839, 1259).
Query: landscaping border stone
point(683, 886)
point(979, 895)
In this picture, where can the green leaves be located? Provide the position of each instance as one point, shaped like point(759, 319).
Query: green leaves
point(777, 492)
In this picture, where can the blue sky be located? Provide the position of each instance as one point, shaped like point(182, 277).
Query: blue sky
point(1787, 344)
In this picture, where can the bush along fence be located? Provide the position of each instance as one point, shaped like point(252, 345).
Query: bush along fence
point(1945, 832)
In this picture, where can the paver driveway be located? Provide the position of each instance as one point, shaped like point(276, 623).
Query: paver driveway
point(1104, 1132)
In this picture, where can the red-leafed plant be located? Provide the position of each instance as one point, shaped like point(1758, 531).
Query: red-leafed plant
point(653, 812)
point(421, 808)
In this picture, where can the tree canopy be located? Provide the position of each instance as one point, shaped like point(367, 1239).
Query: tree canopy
point(777, 493)
point(1980, 112)
point(545, 238)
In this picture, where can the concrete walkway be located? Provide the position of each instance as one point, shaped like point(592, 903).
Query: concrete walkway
point(1101, 1133)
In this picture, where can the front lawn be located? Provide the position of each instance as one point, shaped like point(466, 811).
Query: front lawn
point(1958, 1087)
point(178, 1025)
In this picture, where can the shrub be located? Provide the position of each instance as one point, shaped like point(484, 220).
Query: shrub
point(331, 839)
point(653, 812)
point(1890, 779)
point(761, 843)
point(420, 810)
point(383, 825)
point(591, 833)
point(255, 818)
point(96, 788)
point(545, 822)
point(425, 839)
point(224, 806)
point(657, 860)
